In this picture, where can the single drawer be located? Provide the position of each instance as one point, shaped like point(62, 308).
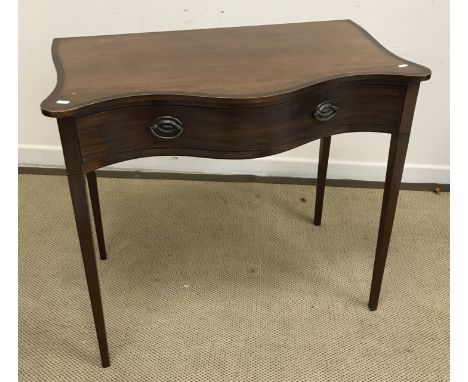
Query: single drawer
point(177, 129)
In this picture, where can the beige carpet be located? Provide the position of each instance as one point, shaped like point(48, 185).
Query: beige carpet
point(210, 281)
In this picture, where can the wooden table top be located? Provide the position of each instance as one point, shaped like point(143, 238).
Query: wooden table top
point(242, 63)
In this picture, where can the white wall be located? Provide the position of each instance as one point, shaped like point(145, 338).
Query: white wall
point(417, 30)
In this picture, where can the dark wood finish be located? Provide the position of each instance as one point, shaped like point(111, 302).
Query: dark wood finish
point(232, 93)
point(321, 178)
point(396, 162)
point(94, 194)
point(395, 165)
point(70, 145)
point(77, 183)
point(125, 133)
point(409, 105)
point(241, 66)
point(83, 225)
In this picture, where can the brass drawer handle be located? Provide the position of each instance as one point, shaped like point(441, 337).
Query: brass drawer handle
point(325, 111)
point(167, 127)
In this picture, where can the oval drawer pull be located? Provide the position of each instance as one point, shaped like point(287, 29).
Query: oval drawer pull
point(167, 127)
point(325, 111)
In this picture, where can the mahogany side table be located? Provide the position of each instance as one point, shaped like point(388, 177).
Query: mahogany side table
point(232, 93)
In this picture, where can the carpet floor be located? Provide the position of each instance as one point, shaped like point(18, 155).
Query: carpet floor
point(213, 281)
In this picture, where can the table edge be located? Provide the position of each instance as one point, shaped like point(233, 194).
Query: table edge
point(50, 108)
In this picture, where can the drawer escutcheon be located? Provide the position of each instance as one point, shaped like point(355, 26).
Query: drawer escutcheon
point(167, 127)
point(325, 111)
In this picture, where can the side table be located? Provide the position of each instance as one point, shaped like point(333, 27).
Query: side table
point(231, 93)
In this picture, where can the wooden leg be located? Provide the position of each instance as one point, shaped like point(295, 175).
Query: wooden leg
point(93, 192)
point(396, 162)
point(83, 225)
point(321, 178)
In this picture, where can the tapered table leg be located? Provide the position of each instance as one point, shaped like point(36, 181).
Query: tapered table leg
point(321, 178)
point(83, 225)
point(94, 195)
point(396, 161)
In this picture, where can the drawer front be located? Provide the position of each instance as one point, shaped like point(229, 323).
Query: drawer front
point(321, 111)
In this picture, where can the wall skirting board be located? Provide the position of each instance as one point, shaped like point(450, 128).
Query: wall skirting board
point(42, 156)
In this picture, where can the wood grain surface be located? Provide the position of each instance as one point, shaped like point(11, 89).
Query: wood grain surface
point(242, 65)
point(125, 133)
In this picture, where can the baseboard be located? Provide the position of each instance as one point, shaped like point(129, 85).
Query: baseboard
point(278, 169)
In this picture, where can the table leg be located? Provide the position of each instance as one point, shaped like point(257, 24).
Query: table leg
point(396, 162)
point(321, 178)
point(94, 195)
point(83, 225)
